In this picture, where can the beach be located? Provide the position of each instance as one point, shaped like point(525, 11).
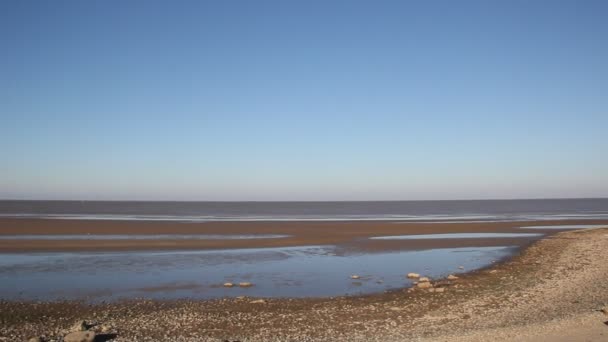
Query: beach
point(548, 291)
point(349, 234)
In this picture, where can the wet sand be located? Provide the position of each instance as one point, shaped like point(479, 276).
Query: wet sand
point(352, 235)
point(550, 292)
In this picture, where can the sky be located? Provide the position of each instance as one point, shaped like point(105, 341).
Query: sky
point(303, 100)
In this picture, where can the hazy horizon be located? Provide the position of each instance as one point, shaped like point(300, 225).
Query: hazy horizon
point(303, 101)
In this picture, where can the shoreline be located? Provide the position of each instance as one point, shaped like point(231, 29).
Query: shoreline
point(352, 235)
point(546, 292)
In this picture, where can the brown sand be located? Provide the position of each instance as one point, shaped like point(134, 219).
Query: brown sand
point(548, 293)
point(348, 234)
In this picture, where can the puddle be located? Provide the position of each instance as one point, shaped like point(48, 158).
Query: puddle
point(566, 227)
point(457, 236)
point(142, 237)
point(312, 271)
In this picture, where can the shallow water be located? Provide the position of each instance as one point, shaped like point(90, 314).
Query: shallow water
point(419, 211)
point(566, 227)
point(313, 271)
point(142, 237)
point(456, 236)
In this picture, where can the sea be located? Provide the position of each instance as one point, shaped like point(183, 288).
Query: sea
point(415, 211)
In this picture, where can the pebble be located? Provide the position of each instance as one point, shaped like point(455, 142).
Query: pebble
point(354, 276)
point(258, 301)
point(413, 275)
point(424, 280)
point(245, 284)
point(228, 284)
point(452, 277)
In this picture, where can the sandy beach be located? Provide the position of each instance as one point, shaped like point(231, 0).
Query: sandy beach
point(551, 291)
point(348, 234)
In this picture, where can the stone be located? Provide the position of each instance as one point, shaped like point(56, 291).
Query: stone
point(228, 284)
point(425, 285)
point(79, 326)
point(413, 275)
point(440, 289)
point(452, 277)
point(79, 336)
point(493, 271)
point(104, 329)
point(258, 301)
point(424, 280)
point(354, 276)
point(35, 339)
point(245, 284)
point(461, 267)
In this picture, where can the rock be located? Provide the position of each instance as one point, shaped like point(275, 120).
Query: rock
point(104, 329)
point(35, 339)
point(245, 284)
point(452, 277)
point(228, 284)
point(413, 275)
point(440, 289)
point(79, 326)
point(258, 301)
point(493, 271)
point(424, 280)
point(395, 308)
point(431, 290)
point(79, 336)
point(354, 276)
point(424, 285)
point(461, 267)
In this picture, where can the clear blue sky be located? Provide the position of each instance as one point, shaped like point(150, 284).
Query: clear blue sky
point(303, 100)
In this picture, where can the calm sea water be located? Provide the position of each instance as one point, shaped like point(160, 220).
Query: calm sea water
point(466, 210)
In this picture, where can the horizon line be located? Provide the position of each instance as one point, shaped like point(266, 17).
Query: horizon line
point(301, 201)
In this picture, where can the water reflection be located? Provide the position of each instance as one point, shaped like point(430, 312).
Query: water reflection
point(275, 272)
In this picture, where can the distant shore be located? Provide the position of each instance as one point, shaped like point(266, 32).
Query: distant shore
point(550, 292)
point(353, 235)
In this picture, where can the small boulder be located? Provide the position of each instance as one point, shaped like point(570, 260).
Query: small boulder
point(452, 277)
point(35, 339)
point(228, 284)
point(424, 285)
point(440, 289)
point(424, 280)
point(461, 267)
point(258, 301)
point(245, 284)
point(413, 275)
point(79, 336)
point(354, 276)
point(79, 326)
